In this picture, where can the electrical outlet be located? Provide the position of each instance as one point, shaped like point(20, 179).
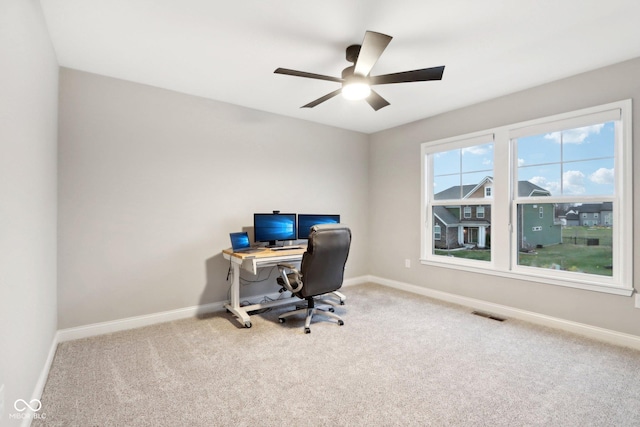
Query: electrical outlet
point(407, 263)
point(637, 300)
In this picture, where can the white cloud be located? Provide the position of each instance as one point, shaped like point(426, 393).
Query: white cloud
point(520, 162)
point(573, 182)
point(476, 149)
point(602, 176)
point(552, 186)
point(575, 136)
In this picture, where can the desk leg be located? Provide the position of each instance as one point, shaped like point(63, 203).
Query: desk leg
point(234, 305)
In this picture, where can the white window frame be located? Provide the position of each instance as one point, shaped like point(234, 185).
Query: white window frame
point(466, 212)
point(504, 205)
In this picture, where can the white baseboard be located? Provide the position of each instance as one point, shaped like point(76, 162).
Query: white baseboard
point(136, 321)
point(42, 381)
point(601, 334)
point(151, 319)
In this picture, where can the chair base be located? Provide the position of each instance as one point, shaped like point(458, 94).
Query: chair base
point(334, 298)
point(310, 311)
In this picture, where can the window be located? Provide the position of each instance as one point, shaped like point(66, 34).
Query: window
point(437, 233)
point(557, 204)
point(458, 183)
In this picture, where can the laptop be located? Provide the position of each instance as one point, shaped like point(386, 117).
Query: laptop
point(240, 242)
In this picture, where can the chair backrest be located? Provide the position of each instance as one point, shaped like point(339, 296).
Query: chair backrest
point(323, 263)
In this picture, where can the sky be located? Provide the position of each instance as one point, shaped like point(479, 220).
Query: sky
point(568, 163)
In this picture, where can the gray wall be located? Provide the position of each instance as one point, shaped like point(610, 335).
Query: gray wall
point(395, 178)
point(151, 182)
point(28, 116)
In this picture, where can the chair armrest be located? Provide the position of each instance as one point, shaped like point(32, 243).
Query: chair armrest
point(287, 266)
point(285, 277)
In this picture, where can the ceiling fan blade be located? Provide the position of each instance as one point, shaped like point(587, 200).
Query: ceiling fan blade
point(376, 101)
point(322, 99)
point(305, 74)
point(372, 47)
point(423, 75)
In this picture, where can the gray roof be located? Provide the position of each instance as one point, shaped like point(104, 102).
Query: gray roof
point(525, 188)
point(445, 216)
point(454, 192)
point(595, 207)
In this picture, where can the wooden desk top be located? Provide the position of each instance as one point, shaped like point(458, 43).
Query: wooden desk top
point(266, 252)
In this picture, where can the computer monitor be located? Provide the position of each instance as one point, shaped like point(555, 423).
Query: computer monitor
point(306, 221)
point(274, 227)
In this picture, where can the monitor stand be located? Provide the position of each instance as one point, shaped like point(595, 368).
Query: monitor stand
point(274, 244)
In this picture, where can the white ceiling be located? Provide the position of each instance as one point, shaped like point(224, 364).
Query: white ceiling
point(228, 50)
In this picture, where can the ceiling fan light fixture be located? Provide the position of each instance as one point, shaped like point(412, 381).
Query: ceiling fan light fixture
point(355, 88)
point(356, 91)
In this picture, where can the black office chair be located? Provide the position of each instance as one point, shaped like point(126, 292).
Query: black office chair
point(321, 271)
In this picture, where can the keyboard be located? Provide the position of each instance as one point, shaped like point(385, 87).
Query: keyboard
point(285, 248)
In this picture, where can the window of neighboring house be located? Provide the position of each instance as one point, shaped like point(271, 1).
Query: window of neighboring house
point(437, 234)
point(568, 163)
point(457, 185)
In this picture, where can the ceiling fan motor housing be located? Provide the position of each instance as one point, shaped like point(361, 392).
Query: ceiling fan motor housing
point(352, 53)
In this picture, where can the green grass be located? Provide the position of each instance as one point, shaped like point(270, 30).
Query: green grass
point(585, 259)
point(482, 255)
point(565, 256)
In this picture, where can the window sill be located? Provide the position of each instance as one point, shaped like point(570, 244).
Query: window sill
point(538, 278)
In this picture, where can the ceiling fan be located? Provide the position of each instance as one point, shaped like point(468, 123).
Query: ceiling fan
point(356, 81)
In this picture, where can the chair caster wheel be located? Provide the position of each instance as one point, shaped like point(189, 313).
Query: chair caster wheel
point(247, 324)
point(280, 320)
point(331, 309)
point(307, 330)
point(341, 302)
point(340, 322)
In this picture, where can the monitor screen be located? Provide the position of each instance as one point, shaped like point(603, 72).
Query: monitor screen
point(306, 221)
point(270, 227)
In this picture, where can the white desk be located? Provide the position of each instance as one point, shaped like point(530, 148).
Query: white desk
point(252, 262)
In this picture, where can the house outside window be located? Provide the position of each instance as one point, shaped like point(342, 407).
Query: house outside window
point(563, 194)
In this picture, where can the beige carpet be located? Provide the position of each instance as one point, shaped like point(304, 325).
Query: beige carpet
point(399, 360)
